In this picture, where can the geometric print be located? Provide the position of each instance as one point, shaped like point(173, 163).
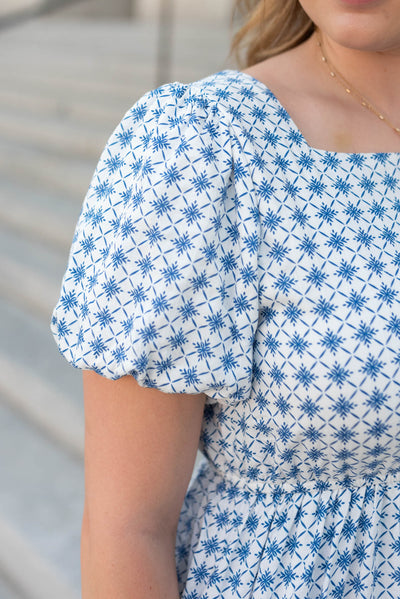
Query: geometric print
point(218, 252)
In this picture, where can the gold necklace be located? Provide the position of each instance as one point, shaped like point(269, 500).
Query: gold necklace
point(335, 74)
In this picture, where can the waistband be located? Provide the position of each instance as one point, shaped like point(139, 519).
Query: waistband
point(282, 487)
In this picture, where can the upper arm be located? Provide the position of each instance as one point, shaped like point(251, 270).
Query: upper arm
point(140, 448)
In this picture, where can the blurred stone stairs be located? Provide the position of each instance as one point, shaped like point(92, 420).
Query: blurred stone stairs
point(64, 85)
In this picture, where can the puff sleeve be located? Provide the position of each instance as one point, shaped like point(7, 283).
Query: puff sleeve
point(161, 282)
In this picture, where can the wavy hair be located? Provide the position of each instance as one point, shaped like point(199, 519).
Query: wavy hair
point(270, 27)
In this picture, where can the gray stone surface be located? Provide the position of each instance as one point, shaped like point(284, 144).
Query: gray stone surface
point(30, 213)
point(10, 6)
point(7, 591)
point(64, 86)
point(27, 341)
point(41, 493)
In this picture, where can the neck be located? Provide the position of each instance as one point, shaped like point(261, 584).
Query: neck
point(374, 74)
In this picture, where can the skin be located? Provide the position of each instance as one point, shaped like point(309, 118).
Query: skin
point(140, 448)
point(363, 43)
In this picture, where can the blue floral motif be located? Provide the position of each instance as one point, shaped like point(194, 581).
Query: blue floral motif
point(218, 253)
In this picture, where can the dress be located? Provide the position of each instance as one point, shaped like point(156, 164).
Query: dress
point(217, 252)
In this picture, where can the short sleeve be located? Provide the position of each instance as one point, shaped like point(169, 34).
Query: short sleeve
point(162, 281)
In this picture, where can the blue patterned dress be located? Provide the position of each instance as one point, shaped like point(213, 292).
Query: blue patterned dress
point(217, 252)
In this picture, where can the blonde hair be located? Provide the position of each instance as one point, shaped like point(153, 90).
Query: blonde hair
point(270, 27)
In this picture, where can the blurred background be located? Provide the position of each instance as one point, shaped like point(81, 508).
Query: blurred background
point(70, 69)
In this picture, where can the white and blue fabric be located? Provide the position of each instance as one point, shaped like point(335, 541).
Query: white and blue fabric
point(217, 252)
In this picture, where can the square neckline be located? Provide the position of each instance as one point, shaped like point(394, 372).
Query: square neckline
point(266, 90)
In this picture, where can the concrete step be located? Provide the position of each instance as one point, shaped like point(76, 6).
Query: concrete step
point(40, 578)
point(41, 504)
point(43, 405)
point(129, 57)
point(137, 42)
point(15, 6)
point(87, 34)
point(30, 274)
point(70, 88)
point(7, 590)
point(76, 78)
point(102, 113)
point(32, 291)
point(41, 53)
point(38, 215)
point(49, 133)
point(27, 342)
point(56, 174)
point(125, 39)
point(116, 86)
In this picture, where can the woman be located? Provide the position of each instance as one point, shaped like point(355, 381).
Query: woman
point(234, 277)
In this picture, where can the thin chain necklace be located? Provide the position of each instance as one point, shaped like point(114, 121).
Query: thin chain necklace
point(335, 74)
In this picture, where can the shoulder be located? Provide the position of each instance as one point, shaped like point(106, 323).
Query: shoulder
point(231, 96)
point(229, 111)
point(246, 104)
point(153, 285)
